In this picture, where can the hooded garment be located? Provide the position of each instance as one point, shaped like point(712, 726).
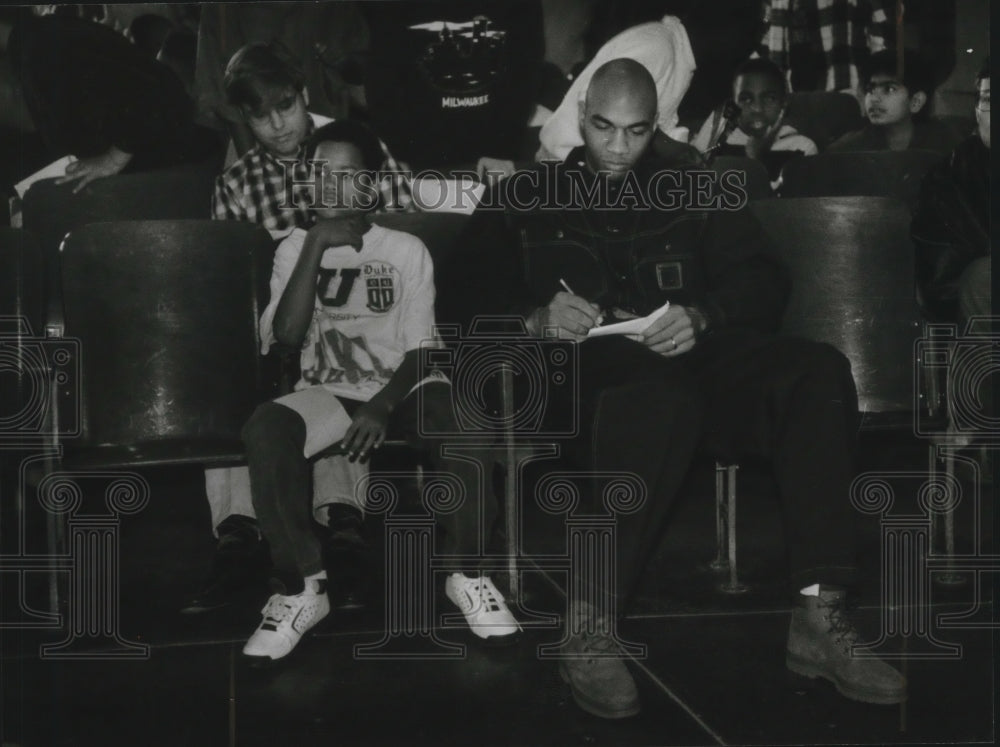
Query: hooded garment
point(663, 48)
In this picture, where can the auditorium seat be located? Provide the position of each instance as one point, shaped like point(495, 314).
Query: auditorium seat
point(823, 116)
point(51, 210)
point(870, 173)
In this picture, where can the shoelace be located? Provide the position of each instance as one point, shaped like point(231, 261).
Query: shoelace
point(489, 596)
point(840, 622)
point(275, 613)
point(598, 643)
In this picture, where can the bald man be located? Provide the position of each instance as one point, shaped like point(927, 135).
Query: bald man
point(615, 232)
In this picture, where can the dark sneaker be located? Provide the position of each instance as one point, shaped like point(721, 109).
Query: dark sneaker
point(345, 553)
point(239, 566)
point(819, 645)
point(596, 673)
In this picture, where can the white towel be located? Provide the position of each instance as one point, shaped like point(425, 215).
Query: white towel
point(663, 48)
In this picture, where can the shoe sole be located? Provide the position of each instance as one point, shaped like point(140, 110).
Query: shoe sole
point(497, 641)
point(592, 708)
point(266, 662)
point(811, 671)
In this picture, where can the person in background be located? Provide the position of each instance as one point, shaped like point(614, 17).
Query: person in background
point(465, 73)
point(93, 94)
point(824, 44)
point(663, 48)
point(951, 224)
point(896, 105)
point(328, 38)
point(758, 131)
point(951, 237)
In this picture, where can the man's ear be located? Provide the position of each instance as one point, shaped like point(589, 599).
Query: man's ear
point(917, 101)
point(581, 110)
point(305, 96)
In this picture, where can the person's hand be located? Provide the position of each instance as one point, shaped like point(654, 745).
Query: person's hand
point(492, 170)
point(367, 430)
point(674, 333)
point(573, 315)
point(87, 170)
point(347, 230)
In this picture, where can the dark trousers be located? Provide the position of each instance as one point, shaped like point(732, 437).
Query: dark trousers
point(736, 394)
point(275, 437)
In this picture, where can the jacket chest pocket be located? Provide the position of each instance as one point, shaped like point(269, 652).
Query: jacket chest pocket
point(551, 254)
point(668, 264)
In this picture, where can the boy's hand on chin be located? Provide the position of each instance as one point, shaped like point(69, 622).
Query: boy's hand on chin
point(342, 230)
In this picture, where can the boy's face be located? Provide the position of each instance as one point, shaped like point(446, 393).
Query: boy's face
point(983, 111)
point(888, 101)
point(345, 186)
point(760, 99)
point(281, 123)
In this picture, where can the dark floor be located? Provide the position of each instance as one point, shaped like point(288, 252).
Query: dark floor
point(713, 672)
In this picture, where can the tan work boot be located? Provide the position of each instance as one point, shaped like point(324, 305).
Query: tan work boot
point(819, 645)
point(596, 673)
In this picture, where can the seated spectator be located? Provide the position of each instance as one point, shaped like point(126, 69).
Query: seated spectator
point(951, 236)
point(952, 221)
point(897, 107)
point(270, 185)
point(360, 371)
point(663, 48)
point(823, 43)
point(758, 130)
point(148, 32)
point(101, 99)
point(708, 368)
point(325, 36)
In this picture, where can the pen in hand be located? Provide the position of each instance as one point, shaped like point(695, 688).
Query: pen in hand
point(565, 286)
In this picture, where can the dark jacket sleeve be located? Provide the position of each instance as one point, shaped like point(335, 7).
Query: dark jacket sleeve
point(947, 235)
point(89, 88)
point(747, 285)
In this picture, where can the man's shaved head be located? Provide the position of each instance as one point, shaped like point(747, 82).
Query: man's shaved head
point(624, 78)
point(618, 116)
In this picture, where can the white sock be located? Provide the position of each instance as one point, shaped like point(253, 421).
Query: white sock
point(312, 583)
point(810, 591)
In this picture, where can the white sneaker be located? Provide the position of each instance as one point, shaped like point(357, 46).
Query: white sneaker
point(483, 606)
point(286, 620)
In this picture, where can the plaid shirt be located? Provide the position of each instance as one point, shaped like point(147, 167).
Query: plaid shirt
point(254, 189)
point(847, 32)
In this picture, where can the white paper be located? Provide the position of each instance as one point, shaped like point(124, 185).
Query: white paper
point(54, 169)
point(631, 326)
point(434, 195)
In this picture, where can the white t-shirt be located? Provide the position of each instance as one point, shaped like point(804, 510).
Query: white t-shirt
point(371, 308)
point(788, 138)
